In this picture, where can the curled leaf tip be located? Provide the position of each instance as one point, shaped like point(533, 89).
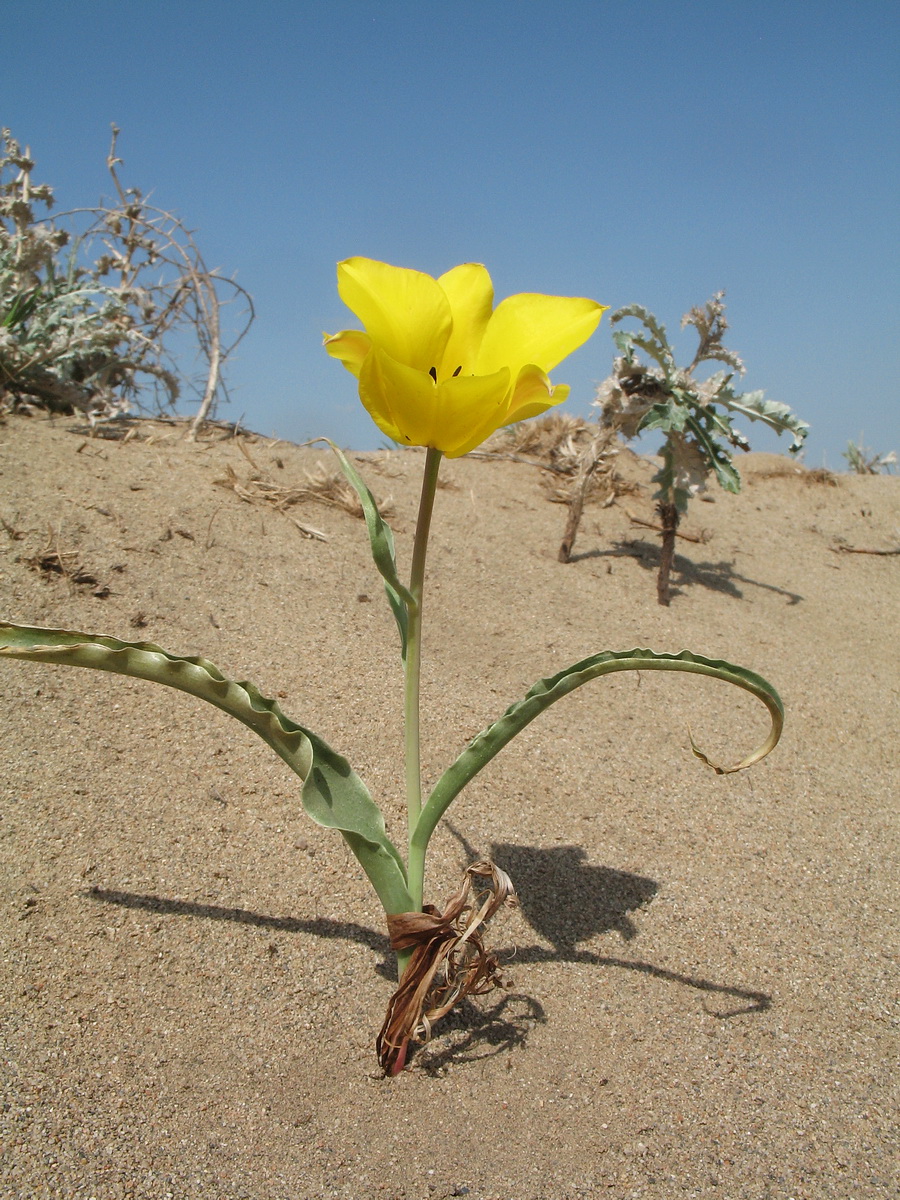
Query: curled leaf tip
point(758, 755)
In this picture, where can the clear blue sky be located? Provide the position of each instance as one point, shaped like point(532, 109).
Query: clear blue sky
point(631, 152)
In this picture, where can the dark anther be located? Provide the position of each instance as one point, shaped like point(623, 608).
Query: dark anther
point(433, 373)
point(457, 371)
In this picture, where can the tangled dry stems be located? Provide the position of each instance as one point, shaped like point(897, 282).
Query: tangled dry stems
point(448, 963)
point(550, 438)
point(318, 486)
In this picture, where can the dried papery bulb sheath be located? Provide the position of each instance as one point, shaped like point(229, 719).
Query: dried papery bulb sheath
point(448, 963)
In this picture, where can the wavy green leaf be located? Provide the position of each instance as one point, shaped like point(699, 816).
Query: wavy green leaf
point(381, 539)
point(545, 692)
point(333, 795)
point(701, 423)
point(776, 415)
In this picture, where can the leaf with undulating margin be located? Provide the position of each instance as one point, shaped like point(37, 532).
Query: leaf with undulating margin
point(381, 539)
point(720, 354)
point(545, 692)
point(657, 345)
point(668, 415)
point(777, 416)
point(702, 424)
point(647, 319)
point(333, 795)
point(719, 423)
point(634, 341)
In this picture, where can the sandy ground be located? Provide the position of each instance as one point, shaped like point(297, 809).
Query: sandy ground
point(193, 974)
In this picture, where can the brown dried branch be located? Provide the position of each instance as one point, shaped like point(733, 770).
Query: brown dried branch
point(861, 550)
point(448, 963)
point(701, 538)
point(263, 491)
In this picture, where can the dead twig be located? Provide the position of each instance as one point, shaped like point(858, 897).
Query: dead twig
point(519, 458)
point(54, 560)
point(701, 538)
point(261, 491)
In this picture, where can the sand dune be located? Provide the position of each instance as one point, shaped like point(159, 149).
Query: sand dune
point(193, 974)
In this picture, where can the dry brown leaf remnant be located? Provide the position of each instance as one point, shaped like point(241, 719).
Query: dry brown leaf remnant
point(448, 963)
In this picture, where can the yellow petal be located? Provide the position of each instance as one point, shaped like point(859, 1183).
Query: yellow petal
point(405, 312)
point(470, 292)
point(410, 408)
point(350, 347)
point(542, 330)
point(533, 395)
point(468, 410)
point(399, 399)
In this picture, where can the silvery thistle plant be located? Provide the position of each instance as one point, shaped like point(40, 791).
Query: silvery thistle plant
point(437, 366)
point(695, 416)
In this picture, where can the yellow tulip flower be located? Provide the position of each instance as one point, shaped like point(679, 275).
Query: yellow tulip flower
point(438, 365)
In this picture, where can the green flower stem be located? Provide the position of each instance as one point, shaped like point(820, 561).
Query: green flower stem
point(416, 866)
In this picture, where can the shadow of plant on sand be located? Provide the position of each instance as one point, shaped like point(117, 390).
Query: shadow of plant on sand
point(715, 576)
point(565, 899)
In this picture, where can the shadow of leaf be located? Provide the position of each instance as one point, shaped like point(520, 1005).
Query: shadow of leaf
point(753, 1001)
point(323, 927)
point(568, 900)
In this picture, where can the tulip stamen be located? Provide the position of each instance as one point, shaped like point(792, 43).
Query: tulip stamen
point(433, 373)
point(457, 371)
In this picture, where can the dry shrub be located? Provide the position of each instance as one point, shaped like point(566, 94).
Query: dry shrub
point(556, 439)
point(578, 456)
point(99, 305)
point(762, 466)
point(318, 486)
point(821, 475)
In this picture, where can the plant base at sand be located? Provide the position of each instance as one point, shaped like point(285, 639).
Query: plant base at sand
point(438, 366)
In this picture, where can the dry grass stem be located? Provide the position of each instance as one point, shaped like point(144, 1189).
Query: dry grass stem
point(861, 550)
point(702, 538)
point(319, 486)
